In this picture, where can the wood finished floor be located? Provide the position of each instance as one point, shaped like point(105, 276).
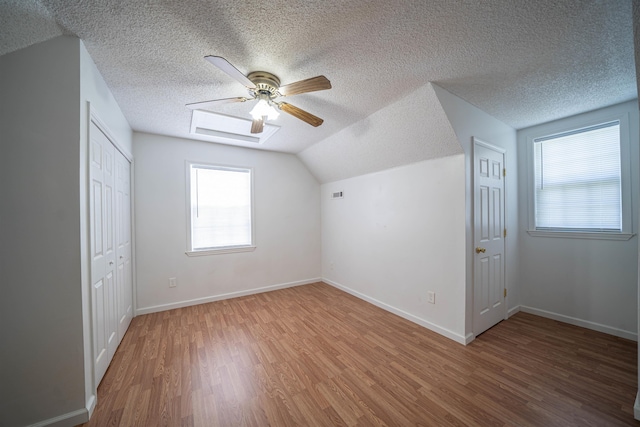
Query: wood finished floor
point(313, 355)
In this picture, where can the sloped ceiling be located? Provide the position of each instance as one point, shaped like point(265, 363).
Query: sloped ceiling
point(524, 62)
point(409, 130)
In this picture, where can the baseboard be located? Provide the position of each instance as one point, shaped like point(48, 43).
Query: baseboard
point(410, 317)
point(636, 407)
point(187, 303)
point(91, 405)
point(513, 311)
point(470, 337)
point(70, 419)
point(582, 323)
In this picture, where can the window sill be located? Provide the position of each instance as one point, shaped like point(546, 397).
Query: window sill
point(221, 251)
point(581, 235)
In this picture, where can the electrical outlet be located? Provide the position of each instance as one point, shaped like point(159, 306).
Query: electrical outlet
point(172, 282)
point(331, 265)
point(431, 297)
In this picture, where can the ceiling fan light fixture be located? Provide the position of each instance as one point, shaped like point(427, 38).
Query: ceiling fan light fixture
point(264, 108)
point(265, 88)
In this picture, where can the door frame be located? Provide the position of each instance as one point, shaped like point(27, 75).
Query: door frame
point(93, 117)
point(479, 142)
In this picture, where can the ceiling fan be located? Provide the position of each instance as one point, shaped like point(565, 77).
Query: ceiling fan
point(265, 88)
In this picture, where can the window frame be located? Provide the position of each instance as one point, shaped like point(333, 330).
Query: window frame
point(573, 124)
point(222, 249)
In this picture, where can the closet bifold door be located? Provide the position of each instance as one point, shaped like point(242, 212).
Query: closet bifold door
point(124, 273)
point(110, 247)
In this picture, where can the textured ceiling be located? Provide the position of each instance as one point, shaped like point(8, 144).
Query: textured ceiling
point(524, 62)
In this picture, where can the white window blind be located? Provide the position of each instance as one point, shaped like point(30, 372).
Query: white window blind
point(578, 180)
point(220, 207)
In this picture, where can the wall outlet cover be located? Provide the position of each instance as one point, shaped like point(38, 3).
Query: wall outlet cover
point(431, 297)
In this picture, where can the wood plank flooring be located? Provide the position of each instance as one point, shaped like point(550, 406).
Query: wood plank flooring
point(316, 356)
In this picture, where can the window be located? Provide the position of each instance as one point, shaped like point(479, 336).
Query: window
point(220, 209)
point(580, 181)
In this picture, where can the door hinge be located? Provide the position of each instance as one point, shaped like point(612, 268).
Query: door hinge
point(505, 292)
point(505, 232)
point(504, 171)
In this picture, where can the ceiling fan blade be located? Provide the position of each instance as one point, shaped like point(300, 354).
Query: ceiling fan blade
point(207, 104)
point(303, 86)
point(232, 71)
point(258, 125)
point(301, 114)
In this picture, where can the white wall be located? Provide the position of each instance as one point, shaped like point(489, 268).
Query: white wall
point(592, 283)
point(372, 270)
point(94, 91)
point(410, 130)
point(287, 225)
point(469, 121)
point(397, 234)
point(40, 307)
point(46, 345)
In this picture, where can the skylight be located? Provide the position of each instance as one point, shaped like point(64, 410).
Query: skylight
point(228, 129)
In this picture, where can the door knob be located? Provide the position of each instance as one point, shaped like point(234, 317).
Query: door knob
point(479, 250)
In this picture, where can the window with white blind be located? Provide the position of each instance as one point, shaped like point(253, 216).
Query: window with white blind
point(220, 209)
point(580, 181)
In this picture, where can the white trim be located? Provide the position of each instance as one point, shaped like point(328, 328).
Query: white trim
point(616, 113)
point(510, 312)
point(93, 117)
point(410, 317)
point(102, 126)
point(204, 300)
point(484, 144)
point(513, 311)
point(221, 251)
point(90, 388)
point(134, 283)
point(581, 235)
point(469, 338)
point(69, 419)
point(91, 405)
point(582, 323)
point(636, 407)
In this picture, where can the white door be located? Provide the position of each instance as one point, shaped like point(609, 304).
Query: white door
point(489, 293)
point(103, 254)
point(124, 274)
point(110, 240)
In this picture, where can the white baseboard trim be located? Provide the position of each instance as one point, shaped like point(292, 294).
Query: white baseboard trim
point(582, 323)
point(91, 405)
point(70, 419)
point(410, 317)
point(470, 337)
point(513, 311)
point(636, 407)
point(196, 301)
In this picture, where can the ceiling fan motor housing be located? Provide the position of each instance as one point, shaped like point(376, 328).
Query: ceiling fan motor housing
point(265, 87)
point(266, 84)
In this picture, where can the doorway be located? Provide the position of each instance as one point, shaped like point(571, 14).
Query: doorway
point(489, 291)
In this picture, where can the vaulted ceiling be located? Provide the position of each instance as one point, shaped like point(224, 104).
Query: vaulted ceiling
point(524, 62)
